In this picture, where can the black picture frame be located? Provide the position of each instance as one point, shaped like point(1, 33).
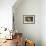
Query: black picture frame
point(28, 19)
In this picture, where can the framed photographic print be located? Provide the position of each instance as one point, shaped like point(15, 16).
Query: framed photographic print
point(29, 19)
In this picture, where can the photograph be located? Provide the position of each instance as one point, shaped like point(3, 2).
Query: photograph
point(29, 19)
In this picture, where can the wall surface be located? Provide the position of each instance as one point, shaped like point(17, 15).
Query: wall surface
point(43, 22)
point(6, 13)
point(30, 31)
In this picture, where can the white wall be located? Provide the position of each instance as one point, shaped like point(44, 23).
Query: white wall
point(31, 31)
point(43, 22)
point(6, 13)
